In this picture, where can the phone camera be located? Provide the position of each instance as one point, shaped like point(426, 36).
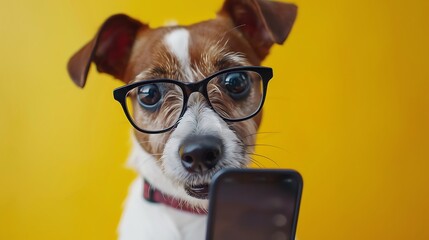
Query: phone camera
point(288, 180)
point(279, 220)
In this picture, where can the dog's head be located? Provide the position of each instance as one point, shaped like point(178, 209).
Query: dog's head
point(200, 126)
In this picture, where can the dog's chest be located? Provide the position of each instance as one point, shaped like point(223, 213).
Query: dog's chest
point(144, 220)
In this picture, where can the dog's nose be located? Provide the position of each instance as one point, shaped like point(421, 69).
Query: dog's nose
point(200, 153)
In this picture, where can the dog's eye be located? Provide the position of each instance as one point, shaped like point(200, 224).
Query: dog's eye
point(237, 84)
point(149, 96)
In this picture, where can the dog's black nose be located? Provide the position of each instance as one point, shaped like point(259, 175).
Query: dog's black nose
point(200, 153)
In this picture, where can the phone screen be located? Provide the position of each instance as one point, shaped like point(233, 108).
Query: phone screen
point(254, 205)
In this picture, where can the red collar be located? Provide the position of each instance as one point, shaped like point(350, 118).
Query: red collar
point(153, 195)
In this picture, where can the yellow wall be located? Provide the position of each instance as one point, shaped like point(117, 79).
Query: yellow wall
point(349, 108)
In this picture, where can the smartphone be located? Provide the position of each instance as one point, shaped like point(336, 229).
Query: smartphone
point(254, 204)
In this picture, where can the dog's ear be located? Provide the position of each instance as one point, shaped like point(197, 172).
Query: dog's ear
point(262, 22)
point(110, 49)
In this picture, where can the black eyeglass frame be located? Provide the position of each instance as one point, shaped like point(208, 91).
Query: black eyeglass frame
point(120, 94)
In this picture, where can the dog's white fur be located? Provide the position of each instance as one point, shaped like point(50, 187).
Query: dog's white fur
point(177, 42)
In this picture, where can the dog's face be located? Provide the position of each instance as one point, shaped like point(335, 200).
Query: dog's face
point(201, 142)
point(190, 54)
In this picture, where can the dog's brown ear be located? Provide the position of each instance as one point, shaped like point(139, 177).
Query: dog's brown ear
point(262, 22)
point(110, 49)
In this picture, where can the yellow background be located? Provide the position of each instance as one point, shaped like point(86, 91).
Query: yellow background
point(348, 108)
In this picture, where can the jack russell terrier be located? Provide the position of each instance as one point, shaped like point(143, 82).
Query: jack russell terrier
point(193, 95)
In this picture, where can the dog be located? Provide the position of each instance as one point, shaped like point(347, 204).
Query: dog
point(193, 94)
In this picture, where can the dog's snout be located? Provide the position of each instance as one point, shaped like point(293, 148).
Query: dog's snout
point(200, 153)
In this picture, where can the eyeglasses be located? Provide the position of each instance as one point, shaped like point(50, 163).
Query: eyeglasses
point(235, 94)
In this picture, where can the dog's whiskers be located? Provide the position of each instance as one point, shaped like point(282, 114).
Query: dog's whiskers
point(265, 145)
point(262, 156)
point(257, 163)
point(260, 133)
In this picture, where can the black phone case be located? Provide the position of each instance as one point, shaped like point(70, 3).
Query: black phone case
point(251, 173)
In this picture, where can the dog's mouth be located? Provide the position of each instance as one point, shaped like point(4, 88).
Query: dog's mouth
point(200, 191)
